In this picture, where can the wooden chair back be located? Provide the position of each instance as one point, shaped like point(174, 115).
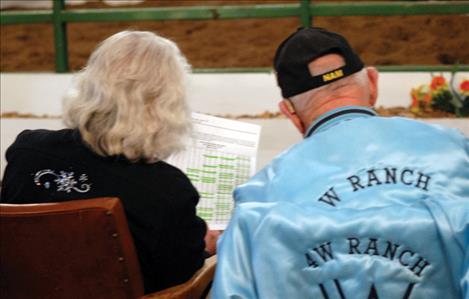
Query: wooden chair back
point(73, 249)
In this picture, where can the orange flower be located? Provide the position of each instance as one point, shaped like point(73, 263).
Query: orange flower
point(464, 86)
point(437, 82)
point(427, 98)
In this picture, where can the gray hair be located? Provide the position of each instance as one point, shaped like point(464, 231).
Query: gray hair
point(130, 99)
point(333, 89)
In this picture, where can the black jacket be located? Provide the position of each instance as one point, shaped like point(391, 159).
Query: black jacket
point(159, 200)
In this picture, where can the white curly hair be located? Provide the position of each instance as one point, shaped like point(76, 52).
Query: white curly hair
point(130, 99)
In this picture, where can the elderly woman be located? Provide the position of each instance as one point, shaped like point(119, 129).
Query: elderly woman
point(126, 113)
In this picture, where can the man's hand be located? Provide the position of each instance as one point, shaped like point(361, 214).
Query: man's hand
point(211, 238)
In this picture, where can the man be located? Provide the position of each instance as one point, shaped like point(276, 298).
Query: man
point(364, 207)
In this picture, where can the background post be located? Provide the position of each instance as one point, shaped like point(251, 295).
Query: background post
point(60, 37)
point(305, 14)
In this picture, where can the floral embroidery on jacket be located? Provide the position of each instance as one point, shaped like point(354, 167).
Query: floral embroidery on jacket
point(64, 181)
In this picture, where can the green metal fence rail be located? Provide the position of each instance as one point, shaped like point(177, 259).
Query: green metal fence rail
point(383, 68)
point(305, 10)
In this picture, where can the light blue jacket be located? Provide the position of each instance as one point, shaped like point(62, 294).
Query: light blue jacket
point(365, 207)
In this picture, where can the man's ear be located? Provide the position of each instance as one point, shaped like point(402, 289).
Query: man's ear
point(373, 80)
point(288, 110)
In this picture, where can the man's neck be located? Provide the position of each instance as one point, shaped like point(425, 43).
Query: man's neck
point(336, 116)
point(330, 105)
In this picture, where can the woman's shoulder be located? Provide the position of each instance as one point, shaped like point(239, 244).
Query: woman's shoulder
point(164, 169)
point(43, 137)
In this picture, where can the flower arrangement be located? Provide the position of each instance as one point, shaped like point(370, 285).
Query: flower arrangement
point(440, 95)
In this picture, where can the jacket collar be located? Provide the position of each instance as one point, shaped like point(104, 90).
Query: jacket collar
point(335, 116)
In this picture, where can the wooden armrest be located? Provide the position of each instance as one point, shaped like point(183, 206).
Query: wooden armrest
point(193, 288)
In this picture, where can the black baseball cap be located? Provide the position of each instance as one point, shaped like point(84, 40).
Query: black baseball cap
point(300, 48)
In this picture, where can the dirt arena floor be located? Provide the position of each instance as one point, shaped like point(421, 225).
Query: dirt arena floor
point(400, 40)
